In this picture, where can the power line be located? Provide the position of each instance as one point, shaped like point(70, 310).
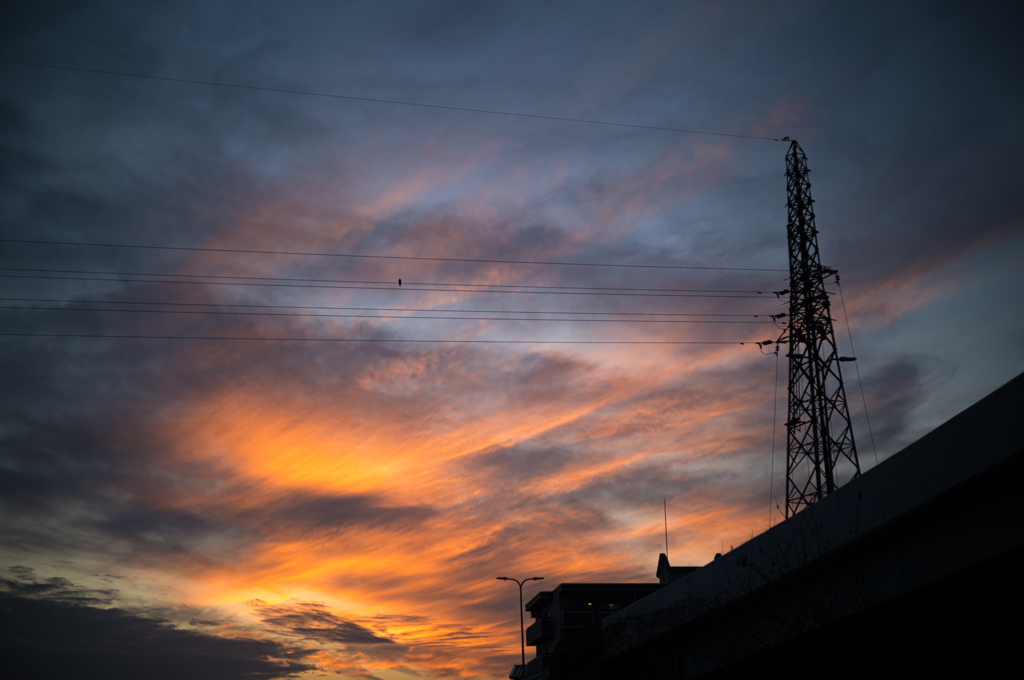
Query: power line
point(381, 257)
point(374, 316)
point(308, 93)
point(446, 342)
point(379, 309)
point(775, 418)
point(391, 287)
point(860, 382)
point(375, 282)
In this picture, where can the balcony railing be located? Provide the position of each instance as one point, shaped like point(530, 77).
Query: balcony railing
point(538, 630)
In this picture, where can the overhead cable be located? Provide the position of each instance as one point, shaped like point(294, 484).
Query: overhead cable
point(378, 282)
point(378, 309)
point(376, 316)
point(309, 93)
point(393, 288)
point(385, 340)
point(249, 251)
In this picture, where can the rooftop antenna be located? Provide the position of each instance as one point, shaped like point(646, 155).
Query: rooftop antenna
point(664, 502)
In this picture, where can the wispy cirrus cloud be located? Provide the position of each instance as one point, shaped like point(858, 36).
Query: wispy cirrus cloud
point(314, 621)
point(367, 494)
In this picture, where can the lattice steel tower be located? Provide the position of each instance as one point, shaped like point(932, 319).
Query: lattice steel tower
point(820, 446)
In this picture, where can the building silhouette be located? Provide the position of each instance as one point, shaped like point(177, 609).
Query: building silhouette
point(912, 568)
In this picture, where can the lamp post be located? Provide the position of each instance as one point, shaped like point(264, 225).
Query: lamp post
point(522, 630)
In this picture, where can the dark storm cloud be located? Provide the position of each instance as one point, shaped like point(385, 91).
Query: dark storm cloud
point(23, 583)
point(53, 628)
point(42, 639)
point(314, 621)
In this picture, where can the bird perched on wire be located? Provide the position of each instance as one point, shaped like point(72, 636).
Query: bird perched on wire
point(399, 283)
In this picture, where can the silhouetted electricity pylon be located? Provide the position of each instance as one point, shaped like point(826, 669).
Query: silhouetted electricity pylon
point(820, 446)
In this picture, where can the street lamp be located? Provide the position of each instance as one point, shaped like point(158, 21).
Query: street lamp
point(522, 630)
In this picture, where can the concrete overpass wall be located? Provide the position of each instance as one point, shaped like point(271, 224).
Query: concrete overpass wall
point(944, 505)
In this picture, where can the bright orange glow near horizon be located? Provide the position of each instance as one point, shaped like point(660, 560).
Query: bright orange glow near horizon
point(318, 320)
point(355, 502)
point(374, 495)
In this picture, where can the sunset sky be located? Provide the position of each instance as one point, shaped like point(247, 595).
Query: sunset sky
point(276, 502)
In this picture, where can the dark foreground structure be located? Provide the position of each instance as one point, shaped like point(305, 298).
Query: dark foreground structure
point(915, 567)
